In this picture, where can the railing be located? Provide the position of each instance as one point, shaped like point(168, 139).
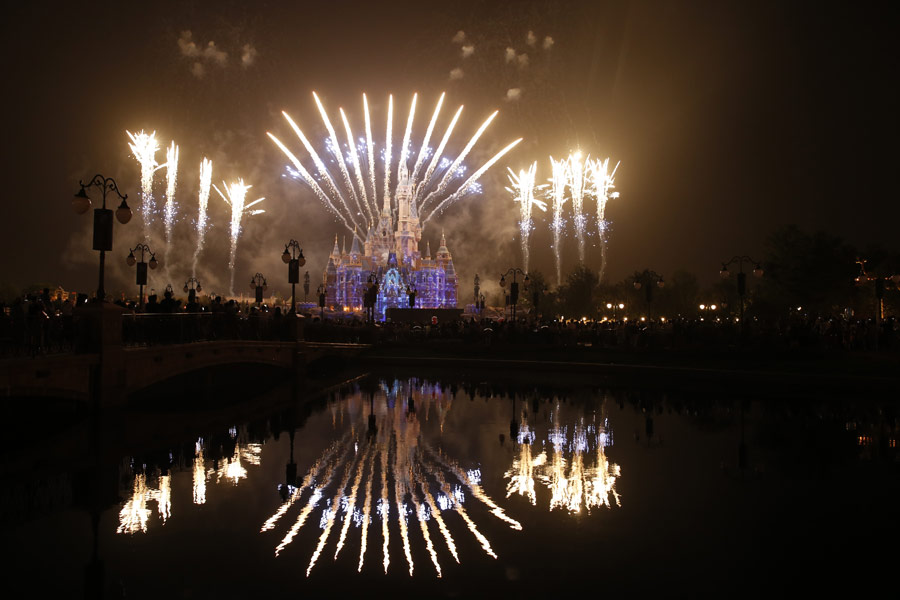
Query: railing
point(150, 329)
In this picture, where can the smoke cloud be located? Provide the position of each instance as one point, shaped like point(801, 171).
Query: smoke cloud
point(248, 56)
point(460, 37)
point(548, 42)
point(513, 94)
point(456, 73)
point(530, 39)
point(468, 51)
point(510, 54)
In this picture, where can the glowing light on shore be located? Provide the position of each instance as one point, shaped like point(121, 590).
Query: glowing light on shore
point(434, 187)
point(235, 196)
point(144, 147)
point(202, 207)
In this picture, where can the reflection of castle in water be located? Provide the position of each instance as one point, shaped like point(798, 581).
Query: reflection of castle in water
point(573, 478)
point(383, 475)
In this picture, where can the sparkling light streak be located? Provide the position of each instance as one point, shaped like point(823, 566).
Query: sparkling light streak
point(603, 181)
point(235, 195)
point(522, 187)
point(576, 187)
point(171, 206)
point(558, 182)
point(144, 147)
point(203, 205)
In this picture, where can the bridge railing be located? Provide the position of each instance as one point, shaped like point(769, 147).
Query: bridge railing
point(150, 329)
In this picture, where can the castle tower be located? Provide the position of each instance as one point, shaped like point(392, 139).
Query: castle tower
point(451, 280)
point(408, 230)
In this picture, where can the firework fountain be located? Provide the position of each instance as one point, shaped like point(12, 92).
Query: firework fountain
point(558, 182)
point(603, 182)
point(235, 195)
point(522, 187)
point(202, 221)
point(576, 173)
point(435, 186)
point(171, 207)
point(144, 147)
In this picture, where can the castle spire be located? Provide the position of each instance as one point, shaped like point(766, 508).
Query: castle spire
point(428, 250)
point(335, 252)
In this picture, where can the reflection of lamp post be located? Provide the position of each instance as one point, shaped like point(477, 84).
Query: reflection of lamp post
point(741, 279)
point(259, 285)
point(322, 291)
point(647, 280)
point(293, 257)
point(514, 287)
point(189, 287)
point(103, 224)
point(141, 272)
point(305, 286)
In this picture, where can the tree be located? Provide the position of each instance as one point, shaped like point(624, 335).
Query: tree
point(577, 297)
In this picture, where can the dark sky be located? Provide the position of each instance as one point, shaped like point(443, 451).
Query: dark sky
point(729, 119)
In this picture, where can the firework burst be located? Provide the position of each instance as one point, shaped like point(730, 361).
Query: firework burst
point(603, 182)
point(202, 221)
point(558, 182)
point(522, 187)
point(171, 184)
point(235, 196)
point(144, 147)
point(437, 182)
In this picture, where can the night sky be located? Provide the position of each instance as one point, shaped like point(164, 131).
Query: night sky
point(730, 120)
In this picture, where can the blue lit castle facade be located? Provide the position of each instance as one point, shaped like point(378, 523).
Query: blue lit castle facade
point(391, 253)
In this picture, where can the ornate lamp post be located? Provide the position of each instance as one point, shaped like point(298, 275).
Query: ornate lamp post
point(141, 271)
point(103, 223)
point(293, 258)
point(192, 286)
point(305, 286)
point(322, 291)
point(259, 285)
point(514, 287)
point(477, 289)
point(615, 307)
point(647, 280)
point(741, 278)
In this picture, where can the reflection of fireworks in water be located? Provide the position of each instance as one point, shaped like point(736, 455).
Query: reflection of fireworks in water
point(414, 479)
point(558, 182)
point(523, 190)
point(202, 222)
point(603, 180)
point(571, 483)
point(144, 147)
point(134, 514)
point(236, 195)
point(350, 201)
point(171, 207)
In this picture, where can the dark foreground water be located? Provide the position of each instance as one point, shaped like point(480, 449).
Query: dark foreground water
point(466, 487)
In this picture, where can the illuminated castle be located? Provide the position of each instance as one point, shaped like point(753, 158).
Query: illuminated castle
point(392, 255)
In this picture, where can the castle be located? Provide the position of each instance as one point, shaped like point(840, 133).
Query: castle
point(392, 256)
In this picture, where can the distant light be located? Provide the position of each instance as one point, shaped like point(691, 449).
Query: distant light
point(702, 307)
point(799, 307)
point(643, 319)
point(712, 307)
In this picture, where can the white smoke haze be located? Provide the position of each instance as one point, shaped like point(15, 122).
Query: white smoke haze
point(513, 94)
point(187, 46)
point(510, 54)
point(248, 55)
point(456, 73)
point(530, 39)
point(460, 37)
point(548, 42)
point(198, 70)
point(212, 53)
point(522, 61)
point(468, 51)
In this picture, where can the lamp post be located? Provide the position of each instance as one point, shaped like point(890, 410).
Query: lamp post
point(103, 223)
point(305, 286)
point(293, 258)
point(370, 299)
point(477, 288)
point(647, 280)
point(615, 307)
point(191, 287)
point(259, 285)
point(741, 279)
point(514, 287)
point(322, 291)
point(481, 304)
point(141, 270)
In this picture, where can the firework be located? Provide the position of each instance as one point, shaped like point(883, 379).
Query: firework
point(235, 196)
point(171, 183)
point(144, 147)
point(523, 190)
point(603, 181)
point(435, 183)
point(576, 174)
point(202, 223)
point(558, 183)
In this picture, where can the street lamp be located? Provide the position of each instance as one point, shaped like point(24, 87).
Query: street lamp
point(477, 288)
point(741, 278)
point(647, 280)
point(293, 258)
point(305, 286)
point(370, 298)
point(322, 291)
point(141, 271)
point(192, 286)
point(614, 307)
point(514, 287)
point(103, 223)
point(258, 284)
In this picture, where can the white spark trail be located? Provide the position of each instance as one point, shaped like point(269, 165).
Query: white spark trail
point(603, 181)
point(354, 156)
point(144, 147)
point(424, 148)
point(576, 186)
point(235, 196)
point(558, 182)
point(340, 156)
point(202, 220)
point(522, 186)
point(471, 180)
point(171, 207)
point(370, 149)
point(437, 154)
point(387, 147)
point(404, 149)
